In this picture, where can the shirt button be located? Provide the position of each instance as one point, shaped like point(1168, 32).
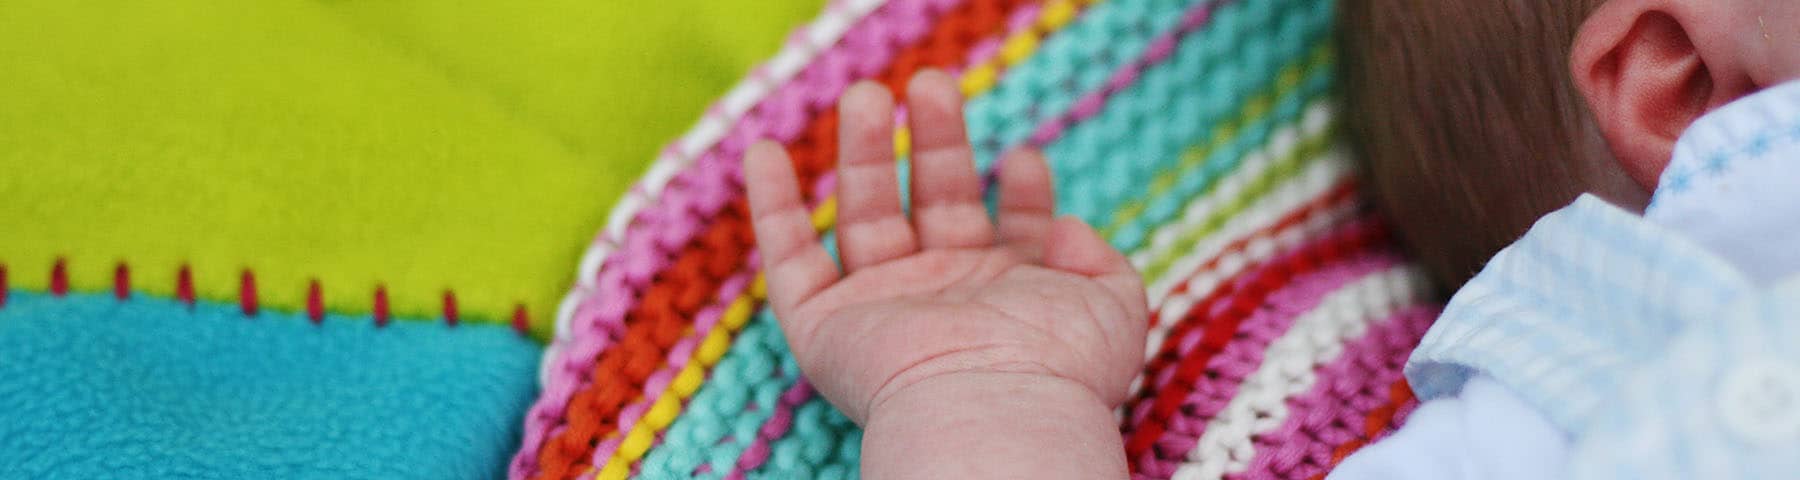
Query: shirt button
point(1760, 402)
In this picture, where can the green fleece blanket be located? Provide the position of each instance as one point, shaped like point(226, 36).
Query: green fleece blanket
point(292, 238)
point(429, 149)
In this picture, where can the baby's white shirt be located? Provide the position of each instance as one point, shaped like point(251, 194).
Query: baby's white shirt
point(1729, 187)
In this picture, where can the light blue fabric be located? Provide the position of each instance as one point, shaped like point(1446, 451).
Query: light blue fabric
point(1657, 344)
point(1733, 185)
point(1723, 401)
point(149, 388)
point(1563, 316)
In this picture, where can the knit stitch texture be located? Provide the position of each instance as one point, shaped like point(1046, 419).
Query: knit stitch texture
point(1200, 134)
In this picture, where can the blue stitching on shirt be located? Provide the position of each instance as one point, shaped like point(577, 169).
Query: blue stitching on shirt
point(1720, 163)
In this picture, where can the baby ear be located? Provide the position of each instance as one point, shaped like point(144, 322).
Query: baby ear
point(1646, 79)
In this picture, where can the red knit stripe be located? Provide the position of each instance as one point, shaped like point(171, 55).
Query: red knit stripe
point(1219, 318)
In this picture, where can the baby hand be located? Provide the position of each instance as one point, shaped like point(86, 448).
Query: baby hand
point(945, 292)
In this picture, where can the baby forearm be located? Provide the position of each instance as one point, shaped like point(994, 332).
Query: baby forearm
point(992, 425)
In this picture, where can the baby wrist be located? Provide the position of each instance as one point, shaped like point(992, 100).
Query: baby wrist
point(993, 424)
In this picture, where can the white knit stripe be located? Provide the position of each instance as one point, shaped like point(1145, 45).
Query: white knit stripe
point(1282, 142)
point(1288, 368)
point(1227, 187)
point(1171, 306)
point(1261, 248)
point(801, 48)
point(1314, 180)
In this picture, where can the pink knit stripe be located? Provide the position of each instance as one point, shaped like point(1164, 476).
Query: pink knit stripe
point(1334, 411)
point(1244, 354)
point(776, 427)
point(1158, 50)
point(679, 356)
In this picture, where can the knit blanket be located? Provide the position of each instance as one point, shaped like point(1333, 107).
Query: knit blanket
point(1200, 136)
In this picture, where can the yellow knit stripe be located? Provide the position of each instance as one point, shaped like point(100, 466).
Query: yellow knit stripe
point(981, 77)
point(668, 405)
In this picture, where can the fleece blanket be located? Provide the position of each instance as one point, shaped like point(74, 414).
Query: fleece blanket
point(443, 152)
point(149, 388)
point(316, 238)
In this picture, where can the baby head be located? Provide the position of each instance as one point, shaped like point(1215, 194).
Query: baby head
point(1476, 117)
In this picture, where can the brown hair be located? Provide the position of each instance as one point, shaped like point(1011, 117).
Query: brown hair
point(1468, 123)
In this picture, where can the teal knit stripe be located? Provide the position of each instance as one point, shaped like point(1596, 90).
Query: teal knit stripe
point(821, 444)
point(723, 417)
point(1224, 153)
point(1071, 62)
point(1142, 130)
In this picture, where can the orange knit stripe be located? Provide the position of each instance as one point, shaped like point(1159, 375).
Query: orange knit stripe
point(653, 326)
point(1378, 421)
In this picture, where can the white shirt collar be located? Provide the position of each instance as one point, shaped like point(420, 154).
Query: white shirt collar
point(1733, 184)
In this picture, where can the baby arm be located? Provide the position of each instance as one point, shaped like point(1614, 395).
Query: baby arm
point(965, 347)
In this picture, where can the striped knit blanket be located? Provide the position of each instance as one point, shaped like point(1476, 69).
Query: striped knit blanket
point(1200, 136)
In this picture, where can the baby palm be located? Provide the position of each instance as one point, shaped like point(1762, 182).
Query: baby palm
point(947, 290)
